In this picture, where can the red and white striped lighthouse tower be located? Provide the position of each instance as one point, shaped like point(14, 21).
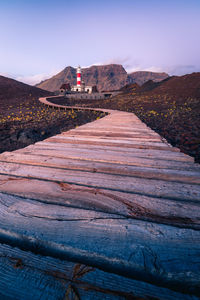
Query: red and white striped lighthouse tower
point(78, 75)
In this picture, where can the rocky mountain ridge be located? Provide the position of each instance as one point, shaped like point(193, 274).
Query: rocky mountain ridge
point(105, 77)
point(140, 77)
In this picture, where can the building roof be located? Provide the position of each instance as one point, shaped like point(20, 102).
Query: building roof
point(65, 86)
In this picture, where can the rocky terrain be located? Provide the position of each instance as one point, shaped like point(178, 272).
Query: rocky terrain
point(105, 77)
point(24, 120)
point(170, 107)
point(141, 77)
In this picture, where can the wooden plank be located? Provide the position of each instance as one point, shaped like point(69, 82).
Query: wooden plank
point(134, 152)
point(173, 212)
point(126, 141)
point(107, 153)
point(68, 158)
point(150, 187)
point(116, 131)
point(128, 136)
point(31, 276)
point(83, 236)
point(119, 168)
point(105, 142)
point(117, 127)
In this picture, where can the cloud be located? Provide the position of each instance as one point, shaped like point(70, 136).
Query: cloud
point(117, 60)
point(182, 69)
point(145, 68)
point(37, 78)
point(155, 69)
point(171, 70)
point(30, 79)
point(95, 64)
point(6, 75)
point(130, 65)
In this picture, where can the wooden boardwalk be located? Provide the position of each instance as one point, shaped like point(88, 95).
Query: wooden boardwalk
point(108, 210)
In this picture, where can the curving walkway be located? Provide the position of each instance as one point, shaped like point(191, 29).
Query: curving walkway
point(108, 210)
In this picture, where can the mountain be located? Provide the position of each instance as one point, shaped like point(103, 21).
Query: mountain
point(187, 86)
point(105, 77)
point(183, 87)
point(141, 77)
point(150, 85)
point(133, 87)
point(12, 90)
point(68, 75)
point(108, 77)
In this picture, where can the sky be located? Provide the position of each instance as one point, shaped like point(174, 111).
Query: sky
point(40, 38)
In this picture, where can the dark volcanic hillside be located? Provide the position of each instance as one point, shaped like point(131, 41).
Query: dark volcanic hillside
point(187, 86)
point(106, 77)
point(13, 91)
point(24, 120)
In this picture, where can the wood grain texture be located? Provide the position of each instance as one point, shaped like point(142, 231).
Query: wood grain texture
point(30, 276)
point(108, 210)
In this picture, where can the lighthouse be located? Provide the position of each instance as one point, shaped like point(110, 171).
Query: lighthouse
point(80, 85)
point(78, 76)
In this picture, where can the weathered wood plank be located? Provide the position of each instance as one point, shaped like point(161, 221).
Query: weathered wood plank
point(150, 187)
point(118, 168)
point(115, 128)
point(30, 276)
point(114, 133)
point(178, 213)
point(124, 136)
point(107, 153)
point(110, 194)
point(154, 249)
point(108, 141)
point(117, 144)
point(94, 161)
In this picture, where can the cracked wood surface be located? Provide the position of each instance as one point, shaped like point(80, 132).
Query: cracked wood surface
point(113, 197)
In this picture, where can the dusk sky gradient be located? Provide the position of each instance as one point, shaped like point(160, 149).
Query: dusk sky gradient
point(40, 38)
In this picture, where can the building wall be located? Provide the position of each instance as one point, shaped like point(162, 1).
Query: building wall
point(88, 89)
point(91, 96)
point(76, 88)
point(82, 88)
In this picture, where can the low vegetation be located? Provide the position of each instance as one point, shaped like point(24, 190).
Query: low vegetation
point(29, 121)
point(176, 120)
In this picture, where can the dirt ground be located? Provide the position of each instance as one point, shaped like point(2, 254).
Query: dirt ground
point(27, 121)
